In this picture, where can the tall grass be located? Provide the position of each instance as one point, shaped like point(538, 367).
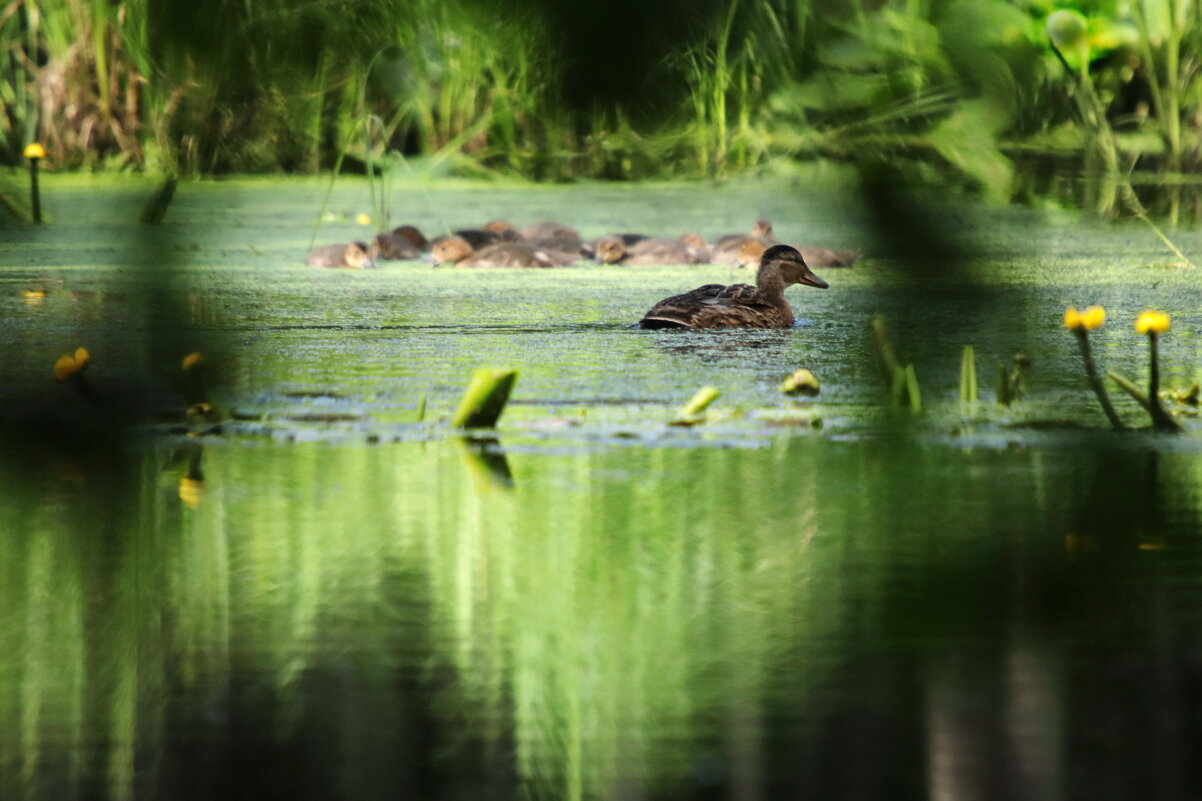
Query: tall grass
point(227, 85)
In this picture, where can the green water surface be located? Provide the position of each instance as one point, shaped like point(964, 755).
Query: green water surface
point(328, 598)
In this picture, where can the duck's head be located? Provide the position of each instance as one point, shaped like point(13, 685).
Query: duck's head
point(453, 249)
point(382, 246)
point(358, 255)
point(413, 235)
point(610, 249)
point(791, 266)
point(762, 228)
point(749, 253)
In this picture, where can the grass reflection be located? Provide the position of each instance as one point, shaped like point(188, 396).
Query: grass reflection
point(444, 617)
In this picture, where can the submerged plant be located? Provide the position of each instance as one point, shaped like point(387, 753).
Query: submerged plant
point(1081, 323)
point(693, 412)
point(801, 382)
point(485, 398)
point(900, 381)
point(968, 376)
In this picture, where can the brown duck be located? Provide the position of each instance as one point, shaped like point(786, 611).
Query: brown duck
point(752, 250)
point(654, 250)
point(354, 256)
point(458, 251)
point(395, 245)
point(726, 248)
point(739, 305)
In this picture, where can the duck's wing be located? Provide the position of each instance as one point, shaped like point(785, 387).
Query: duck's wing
point(713, 306)
point(717, 306)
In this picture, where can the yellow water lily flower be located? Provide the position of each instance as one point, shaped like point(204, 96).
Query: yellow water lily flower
point(362, 219)
point(1087, 320)
point(191, 360)
point(1152, 322)
point(34, 151)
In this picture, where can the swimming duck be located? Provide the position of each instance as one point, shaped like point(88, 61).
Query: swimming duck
point(459, 251)
point(415, 237)
point(394, 245)
point(611, 250)
point(476, 237)
point(751, 251)
point(739, 305)
point(698, 243)
point(355, 256)
point(552, 231)
point(727, 247)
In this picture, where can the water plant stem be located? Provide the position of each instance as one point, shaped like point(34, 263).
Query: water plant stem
point(35, 198)
point(1095, 380)
point(1160, 418)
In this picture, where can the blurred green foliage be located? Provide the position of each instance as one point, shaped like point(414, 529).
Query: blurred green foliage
point(527, 88)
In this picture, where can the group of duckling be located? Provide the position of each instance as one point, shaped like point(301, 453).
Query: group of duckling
point(549, 244)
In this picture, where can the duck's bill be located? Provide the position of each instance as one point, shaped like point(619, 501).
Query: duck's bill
point(809, 279)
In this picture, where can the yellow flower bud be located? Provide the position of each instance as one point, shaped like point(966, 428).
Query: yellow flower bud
point(82, 357)
point(191, 360)
point(362, 219)
point(35, 151)
point(1152, 322)
point(1088, 320)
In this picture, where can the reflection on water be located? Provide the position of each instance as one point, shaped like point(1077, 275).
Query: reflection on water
point(445, 620)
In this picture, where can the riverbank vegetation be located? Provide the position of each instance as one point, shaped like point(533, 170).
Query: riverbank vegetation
point(958, 91)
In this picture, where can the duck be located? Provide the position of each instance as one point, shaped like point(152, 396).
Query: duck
point(822, 258)
point(476, 237)
point(354, 256)
point(458, 251)
point(727, 247)
point(589, 249)
point(552, 231)
point(612, 250)
point(394, 245)
point(739, 305)
point(415, 237)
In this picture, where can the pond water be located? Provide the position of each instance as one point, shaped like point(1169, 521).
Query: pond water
point(329, 597)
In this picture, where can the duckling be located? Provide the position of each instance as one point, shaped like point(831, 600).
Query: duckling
point(393, 246)
point(543, 231)
point(739, 305)
point(476, 237)
point(727, 247)
point(499, 227)
point(415, 237)
point(751, 251)
point(611, 250)
point(459, 251)
point(695, 241)
point(355, 256)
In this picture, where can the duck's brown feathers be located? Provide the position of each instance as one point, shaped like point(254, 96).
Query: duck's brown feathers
point(718, 306)
point(739, 305)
